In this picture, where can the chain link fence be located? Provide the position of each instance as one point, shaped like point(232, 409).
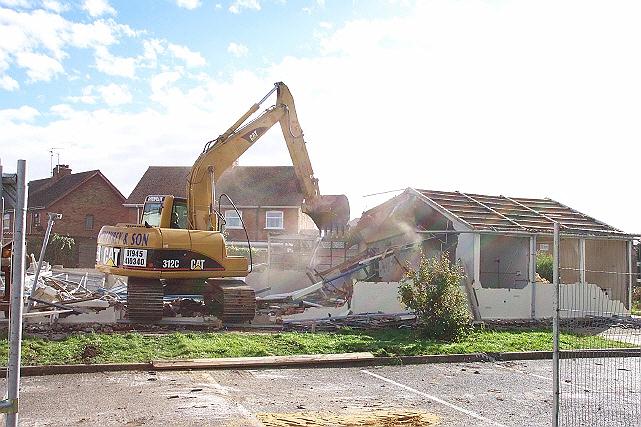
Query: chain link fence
point(599, 386)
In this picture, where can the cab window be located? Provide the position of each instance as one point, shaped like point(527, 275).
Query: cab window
point(151, 214)
point(179, 215)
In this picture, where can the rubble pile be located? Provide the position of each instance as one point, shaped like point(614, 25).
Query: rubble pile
point(60, 293)
point(185, 307)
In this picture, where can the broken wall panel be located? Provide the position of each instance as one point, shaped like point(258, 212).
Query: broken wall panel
point(579, 300)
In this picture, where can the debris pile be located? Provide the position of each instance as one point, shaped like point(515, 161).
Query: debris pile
point(72, 296)
point(185, 307)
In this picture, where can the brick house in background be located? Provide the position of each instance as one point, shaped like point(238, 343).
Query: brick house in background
point(268, 198)
point(86, 200)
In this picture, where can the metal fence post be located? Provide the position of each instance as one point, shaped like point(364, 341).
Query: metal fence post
point(17, 289)
point(52, 219)
point(555, 328)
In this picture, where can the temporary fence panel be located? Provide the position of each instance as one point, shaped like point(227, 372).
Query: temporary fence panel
point(599, 385)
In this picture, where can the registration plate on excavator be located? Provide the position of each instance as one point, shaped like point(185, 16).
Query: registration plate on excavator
point(135, 258)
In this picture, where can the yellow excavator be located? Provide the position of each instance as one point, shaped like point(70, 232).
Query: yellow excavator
point(180, 241)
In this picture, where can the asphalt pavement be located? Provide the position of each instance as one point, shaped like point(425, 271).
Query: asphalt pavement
point(461, 394)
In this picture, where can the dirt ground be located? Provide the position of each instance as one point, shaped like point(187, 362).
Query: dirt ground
point(482, 394)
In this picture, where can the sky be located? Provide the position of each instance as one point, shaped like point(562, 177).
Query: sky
point(516, 98)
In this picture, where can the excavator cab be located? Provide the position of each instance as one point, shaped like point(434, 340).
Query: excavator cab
point(165, 212)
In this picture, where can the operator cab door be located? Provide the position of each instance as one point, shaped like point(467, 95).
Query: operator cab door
point(165, 212)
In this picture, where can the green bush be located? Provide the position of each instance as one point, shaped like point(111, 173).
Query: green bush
point(544, 266)
point(258, 255)
point(432, 292)
point(61, 250)
point(636, 300)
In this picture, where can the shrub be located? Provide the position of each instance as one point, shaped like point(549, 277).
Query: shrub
point(544, 266)
point(636, 300)
point(61, 250)
point(258, 255)
point(432, 292)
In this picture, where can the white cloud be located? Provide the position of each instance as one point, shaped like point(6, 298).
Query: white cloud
point(238, 5)
point(237, 49)
point(98, 33)
point(62, 110)
point(16, 3)
point(486, 97)
point(54, 6)
point(114, 94)
point(162, 90)
point(39, 67)
point(97, 8)
point(7, 83)
point(87, 96)
point(115, 65)
point(38, 40)
point(22, 114)
point(191, 58)
point(189, 4)
point(152, 48)
point(326, 25)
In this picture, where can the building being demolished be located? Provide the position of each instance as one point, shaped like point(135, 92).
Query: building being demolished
point(494, 238)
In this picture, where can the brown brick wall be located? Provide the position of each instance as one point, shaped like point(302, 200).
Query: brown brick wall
point(132, 215)
point(94, 197)
point(254, 219)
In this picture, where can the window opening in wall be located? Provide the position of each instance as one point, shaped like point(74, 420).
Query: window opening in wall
point(89, 222)
point(6, 224)
point(36, 218)
point(274, 220)
point(232, 219)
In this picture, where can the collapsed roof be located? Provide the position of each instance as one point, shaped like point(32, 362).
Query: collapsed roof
point(483, 213)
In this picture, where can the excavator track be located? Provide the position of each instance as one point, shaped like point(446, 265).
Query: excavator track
point(144, 300)
point(235, 301)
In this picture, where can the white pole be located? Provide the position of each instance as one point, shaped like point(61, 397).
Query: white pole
point(17, 289)
point(555, 329)
point(477, 259)
point(631, 274)
point(533, 276)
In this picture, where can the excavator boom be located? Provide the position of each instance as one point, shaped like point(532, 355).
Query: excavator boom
point(327, 212)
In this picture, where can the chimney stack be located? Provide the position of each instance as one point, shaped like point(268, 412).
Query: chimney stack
point(61, 170)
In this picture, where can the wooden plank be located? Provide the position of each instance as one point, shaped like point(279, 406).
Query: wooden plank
point(45, 313)
point(246, 362)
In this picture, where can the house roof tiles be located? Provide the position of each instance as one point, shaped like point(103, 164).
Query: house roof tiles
point(246, 185)
point(44, 192)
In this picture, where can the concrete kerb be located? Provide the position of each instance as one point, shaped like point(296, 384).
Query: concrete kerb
point(259, 362)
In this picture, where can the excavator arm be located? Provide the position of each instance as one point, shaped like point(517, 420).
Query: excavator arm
point(327, 212)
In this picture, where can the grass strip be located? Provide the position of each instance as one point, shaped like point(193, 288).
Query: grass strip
point(136, 347)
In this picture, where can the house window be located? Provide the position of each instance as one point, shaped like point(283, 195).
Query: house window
point(6, 225)
point(36, 219)
point(232, 219)
point(274, 220)
point(88, 222)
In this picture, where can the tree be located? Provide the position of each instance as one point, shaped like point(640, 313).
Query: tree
point(432, 291)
